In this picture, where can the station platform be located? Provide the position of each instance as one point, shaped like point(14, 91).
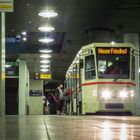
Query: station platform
point(54, 127)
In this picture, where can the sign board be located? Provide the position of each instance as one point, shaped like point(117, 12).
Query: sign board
point(35, 93)
point(114, 51)
point(43, 76)
point(6, 6)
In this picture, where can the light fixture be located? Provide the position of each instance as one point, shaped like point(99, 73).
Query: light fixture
point(44, 61)
point(47, 14)
point(45, 56)
point(24, 33)
point(45, 66)
point(24, 38)
point(44, 70)
point(45, 51)
point(46, 28)
point(7, 66)
point(46, 40)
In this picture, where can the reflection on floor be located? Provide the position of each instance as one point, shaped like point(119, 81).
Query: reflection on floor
point(69, 128)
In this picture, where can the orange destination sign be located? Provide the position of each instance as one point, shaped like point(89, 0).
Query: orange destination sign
point(118, 51)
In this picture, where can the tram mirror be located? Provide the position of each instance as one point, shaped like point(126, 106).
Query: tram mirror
point(81, 63)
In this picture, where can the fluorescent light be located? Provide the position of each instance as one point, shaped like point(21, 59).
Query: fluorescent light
point(24, 33)
point(46, 28)
point(45, 56)
point(45, 61)
point(45, 66)
point(46, 40)
point(24, 38)
point(44, 70)
point(45, 51)
point(7, 66)
point(47, 14)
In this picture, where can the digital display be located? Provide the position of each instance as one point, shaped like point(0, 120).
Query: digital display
point(116, 51)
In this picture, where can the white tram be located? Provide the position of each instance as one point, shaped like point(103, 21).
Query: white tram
point(102, 79)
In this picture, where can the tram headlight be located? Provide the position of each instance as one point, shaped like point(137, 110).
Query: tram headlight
point(123, 94)
point(106, 94)
point(132, 92)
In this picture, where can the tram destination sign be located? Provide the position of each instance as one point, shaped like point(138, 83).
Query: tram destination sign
point(6, 6)
point(113, 51)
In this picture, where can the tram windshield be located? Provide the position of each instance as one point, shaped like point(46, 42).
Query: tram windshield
point(113, 63)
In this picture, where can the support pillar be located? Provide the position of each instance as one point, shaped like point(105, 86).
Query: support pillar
point(2, 63)
point(134, 39)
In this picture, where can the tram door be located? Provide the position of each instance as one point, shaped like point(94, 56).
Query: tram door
point(11, 96)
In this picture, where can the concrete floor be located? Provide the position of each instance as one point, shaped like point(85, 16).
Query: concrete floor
point(69, 128)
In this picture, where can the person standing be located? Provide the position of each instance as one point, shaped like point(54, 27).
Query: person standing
point(60, 97)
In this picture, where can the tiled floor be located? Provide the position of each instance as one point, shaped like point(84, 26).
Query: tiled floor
point(69, 128)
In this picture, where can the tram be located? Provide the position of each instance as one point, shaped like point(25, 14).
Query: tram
point(102, 79)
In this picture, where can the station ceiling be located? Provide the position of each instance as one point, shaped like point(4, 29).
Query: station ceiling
point(74, 16)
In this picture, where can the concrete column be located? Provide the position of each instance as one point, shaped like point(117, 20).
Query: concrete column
point(134, 39)
point(22, 87)
point(2, 63)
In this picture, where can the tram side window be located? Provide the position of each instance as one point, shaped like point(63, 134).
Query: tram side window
point(89, 67)
point(133, 68)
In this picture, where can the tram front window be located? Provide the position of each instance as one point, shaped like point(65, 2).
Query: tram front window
point(113, 66)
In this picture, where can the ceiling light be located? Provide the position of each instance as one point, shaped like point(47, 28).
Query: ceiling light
point(44, 70)
point(45, 61)
point(45, 51)
point(45, 66)
point(46, 40)
point(7, 66)
point(46, 28)
point(47, 14)
point(45, 56)
point(12, 30)
point(24, 39)
point(23, 33)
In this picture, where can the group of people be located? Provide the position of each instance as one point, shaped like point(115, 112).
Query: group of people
point(62, 99)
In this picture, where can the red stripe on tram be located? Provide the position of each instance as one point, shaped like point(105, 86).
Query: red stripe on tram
point(103, 83)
